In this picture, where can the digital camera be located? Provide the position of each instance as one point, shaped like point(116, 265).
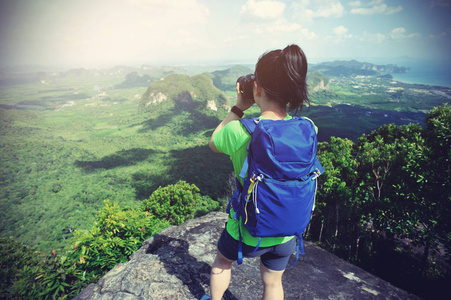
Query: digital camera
point(247, 85)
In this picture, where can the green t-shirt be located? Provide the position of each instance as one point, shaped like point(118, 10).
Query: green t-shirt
point(233, 140)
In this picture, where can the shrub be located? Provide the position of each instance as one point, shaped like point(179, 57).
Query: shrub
point(175, 203)
point(14, 256)
point(27, 274)
point(117, 233)
point(206, 205)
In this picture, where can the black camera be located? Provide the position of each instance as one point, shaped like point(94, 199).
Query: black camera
point(247, 86)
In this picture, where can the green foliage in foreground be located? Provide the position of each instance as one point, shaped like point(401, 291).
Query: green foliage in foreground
point(28, 274)
point(117, 233)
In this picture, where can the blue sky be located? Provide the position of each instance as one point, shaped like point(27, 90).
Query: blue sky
point(94, 33)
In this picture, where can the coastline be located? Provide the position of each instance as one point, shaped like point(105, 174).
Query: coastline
point(427, 73)
point(405, 78)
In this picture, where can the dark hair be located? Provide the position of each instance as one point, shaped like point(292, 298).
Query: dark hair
point(282, 74)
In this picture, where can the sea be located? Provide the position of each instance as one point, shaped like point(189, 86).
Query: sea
point(426, 72)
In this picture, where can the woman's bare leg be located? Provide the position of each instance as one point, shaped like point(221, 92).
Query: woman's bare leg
point(220, 276)
point(272, 283)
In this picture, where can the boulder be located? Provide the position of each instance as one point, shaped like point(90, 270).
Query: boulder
point(176, 263)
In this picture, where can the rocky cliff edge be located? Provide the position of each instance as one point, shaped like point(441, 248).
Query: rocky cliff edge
point(175, 264)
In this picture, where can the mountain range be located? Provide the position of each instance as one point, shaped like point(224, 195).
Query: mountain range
point(354, 67)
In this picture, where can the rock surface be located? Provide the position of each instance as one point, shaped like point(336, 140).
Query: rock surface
point(175, 264)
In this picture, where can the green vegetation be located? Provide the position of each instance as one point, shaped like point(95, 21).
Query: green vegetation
point(117, 233)
point(70, 141)
point(60, 162)
point(174, 203)
point(376, 93)
point(384, 201)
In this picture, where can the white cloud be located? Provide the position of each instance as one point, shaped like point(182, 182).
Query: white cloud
point(396, 34)
point(380, 38)
point(373, 7)
point(307, 34)
point(282, 28)
point(374, 38)
point(267, 21)
point(340, 30)
point(443, 35)
point(265, 9)
point(327, 9)
point(393, 10)
point(307, 10)
point(355, 3)
point(339, 37)
point(375, 2)
point(400, 33)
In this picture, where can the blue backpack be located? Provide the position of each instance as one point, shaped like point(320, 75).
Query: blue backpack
point(279, 179)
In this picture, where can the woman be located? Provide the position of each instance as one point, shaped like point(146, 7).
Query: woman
point(279, 86)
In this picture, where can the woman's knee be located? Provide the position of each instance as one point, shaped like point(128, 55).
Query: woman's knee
point(270, 278)
point(221, 261)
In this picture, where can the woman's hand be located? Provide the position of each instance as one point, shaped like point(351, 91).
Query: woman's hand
point(241, 102)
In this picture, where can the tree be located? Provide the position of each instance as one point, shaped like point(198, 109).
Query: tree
point(393, 181)
point(405, 173)
point(424, 188)
point(334, 205)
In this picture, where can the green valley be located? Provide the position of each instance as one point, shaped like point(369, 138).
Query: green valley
point(65, 150)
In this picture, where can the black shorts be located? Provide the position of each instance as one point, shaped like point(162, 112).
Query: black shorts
point(274, 258)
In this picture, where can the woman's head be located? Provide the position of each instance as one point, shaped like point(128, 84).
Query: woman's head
point(282, 74)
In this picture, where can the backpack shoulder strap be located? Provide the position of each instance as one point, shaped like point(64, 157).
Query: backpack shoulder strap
point(250, 124)
point(307, 119)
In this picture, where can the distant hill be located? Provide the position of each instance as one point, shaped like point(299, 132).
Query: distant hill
point(354, 67)
point(317, 81)
point(226, 79)
point(193, 103)
point(133, 79)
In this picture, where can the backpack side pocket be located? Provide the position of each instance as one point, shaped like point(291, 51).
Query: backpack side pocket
point(280, 208)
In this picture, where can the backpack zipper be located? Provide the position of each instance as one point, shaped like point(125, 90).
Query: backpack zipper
point(252, 190)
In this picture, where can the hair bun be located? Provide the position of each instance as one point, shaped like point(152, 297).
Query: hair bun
point(290, 49)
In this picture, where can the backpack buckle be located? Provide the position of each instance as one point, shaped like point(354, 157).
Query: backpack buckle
point(316, 174)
